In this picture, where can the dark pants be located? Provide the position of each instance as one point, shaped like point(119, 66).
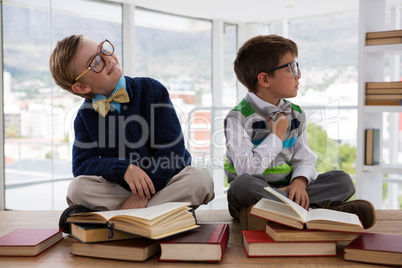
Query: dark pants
point(246, 190)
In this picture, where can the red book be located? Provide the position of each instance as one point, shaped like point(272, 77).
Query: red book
point(260, 244)
point(29, 242)
point(383, 249)
point(205, 244)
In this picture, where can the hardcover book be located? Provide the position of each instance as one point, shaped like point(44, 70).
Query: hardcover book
point(152, 222)
point(372, 148)
point(259, 244)
point(293, 215)
point(29, 242)
point(207, 243)
point(129, 250)
point(91, 233)
point(282, 233)
point(385, 249)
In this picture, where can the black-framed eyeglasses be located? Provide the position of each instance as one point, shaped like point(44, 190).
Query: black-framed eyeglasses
point(293, 67)
point(97, 62)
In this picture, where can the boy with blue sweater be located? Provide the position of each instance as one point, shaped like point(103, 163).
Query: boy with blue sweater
point(129, 148)
point(266, 138)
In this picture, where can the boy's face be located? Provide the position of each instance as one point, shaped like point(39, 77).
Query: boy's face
point(99, 83)
point(282, 84)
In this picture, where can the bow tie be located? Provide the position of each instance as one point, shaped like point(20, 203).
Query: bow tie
point(103, 106)
point(273, 111)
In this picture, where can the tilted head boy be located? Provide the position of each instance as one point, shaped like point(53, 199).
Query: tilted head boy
point(266, 65)
point(84, 67)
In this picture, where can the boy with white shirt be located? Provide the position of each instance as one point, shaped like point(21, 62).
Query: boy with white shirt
point(267, 142)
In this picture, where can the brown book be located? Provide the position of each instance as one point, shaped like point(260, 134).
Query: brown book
point(384, 85)
point(384, 91)
point(205, 244)
point(91, 233)
point(258, 244)
point(384, 97)
point(372, 148)
point(384, 102)
point(282, 233)
point(384, 249)
point(293, 215)
point(384, 34)
point(29, 242)
point(384, 41)
point(152, 222)
point(129, 250)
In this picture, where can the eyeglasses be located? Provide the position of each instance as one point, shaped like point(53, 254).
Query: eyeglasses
point(98, 62)
point(293, 67)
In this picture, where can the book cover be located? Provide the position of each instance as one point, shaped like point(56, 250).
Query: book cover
point(92, 233)
point(29, 242)
point(375, 248)
point(259, 244)
point(383, 41)
point(205, 244)
point(372, 148)
point(152, 222)
point(384, 34)
point(129, 250)
point(282, 233)
point(384, 97)
point(384, 85)
point(293, 215)
point(384, 102)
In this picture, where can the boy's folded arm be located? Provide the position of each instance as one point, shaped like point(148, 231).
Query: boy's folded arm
point(246, 157)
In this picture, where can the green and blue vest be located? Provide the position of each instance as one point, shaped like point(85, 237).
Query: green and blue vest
point(255, 123)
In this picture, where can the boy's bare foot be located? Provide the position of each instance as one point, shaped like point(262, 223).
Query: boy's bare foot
point(134, 201)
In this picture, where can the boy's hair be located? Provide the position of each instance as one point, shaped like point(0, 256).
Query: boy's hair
point(258, 54)
point(60, 63)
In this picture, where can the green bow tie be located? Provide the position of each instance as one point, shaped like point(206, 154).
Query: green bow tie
point(103, 106)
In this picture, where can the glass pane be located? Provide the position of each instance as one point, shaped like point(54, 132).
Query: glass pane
point(38, 114)
point(177, 52)
point(328, 63)
point(229, 79)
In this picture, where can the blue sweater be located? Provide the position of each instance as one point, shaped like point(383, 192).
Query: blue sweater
point(146, 133)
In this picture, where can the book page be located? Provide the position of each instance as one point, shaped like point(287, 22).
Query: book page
point(297, 208)
point(332, 215)
point(148, 213)
point(279, 208)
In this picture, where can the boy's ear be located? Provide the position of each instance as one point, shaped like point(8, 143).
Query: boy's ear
point(263, 79)
point(80, 88)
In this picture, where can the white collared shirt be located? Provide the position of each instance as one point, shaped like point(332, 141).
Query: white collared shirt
point(244, 154)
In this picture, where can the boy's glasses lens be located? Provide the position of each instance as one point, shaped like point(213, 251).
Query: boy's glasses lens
point(107, 48)
point(294, 68)
point(97, 64)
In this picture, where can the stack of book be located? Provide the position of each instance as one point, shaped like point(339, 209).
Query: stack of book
point(130, 234)
point(294, 231)
point(384, 38)
point(138, 234)
point(384, 93)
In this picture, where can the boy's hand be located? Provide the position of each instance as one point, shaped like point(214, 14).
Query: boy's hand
point(297, 191)
point(279, 126)
point(134, 201)
point(139, 182)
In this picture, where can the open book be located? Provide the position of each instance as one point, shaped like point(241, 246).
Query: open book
point(291, 214)
point(153, 222)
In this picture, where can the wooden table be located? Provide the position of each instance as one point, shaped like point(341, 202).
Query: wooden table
point(388, 221)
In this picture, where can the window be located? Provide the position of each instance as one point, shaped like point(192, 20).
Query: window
point(328, 86)
point(38, 114)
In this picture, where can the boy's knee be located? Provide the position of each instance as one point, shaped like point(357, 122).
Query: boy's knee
point(76, 190)
point(201, 179)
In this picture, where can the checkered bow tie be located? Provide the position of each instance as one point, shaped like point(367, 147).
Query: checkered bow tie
point(273, 111)
point(103, 106)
